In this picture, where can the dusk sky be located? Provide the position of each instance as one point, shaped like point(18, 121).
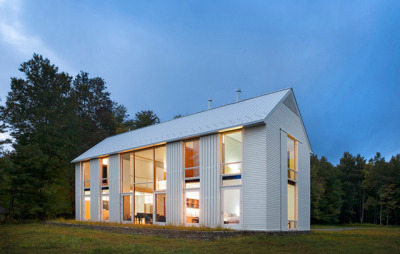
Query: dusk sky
point(342, 58)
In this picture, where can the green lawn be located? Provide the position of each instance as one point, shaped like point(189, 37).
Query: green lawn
point(38, 238)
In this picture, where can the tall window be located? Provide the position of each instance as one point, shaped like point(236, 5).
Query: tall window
point(143, 184)
point(292, 182)
point(160, 183)
point(127, 185)
point(105, 199)
point(231, 176)
point(86, 189)
point(192, 180)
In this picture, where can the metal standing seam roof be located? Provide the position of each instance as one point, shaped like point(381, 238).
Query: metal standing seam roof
point(243, 113)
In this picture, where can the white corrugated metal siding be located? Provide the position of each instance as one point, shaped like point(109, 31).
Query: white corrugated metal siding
point(242, 113)
point(300, 187)
point(209, 181)
point(78, 191)
point(306, 188)
point(115, 200)
point(94, 190)
point(285, 119)
point(254, 178)
point(284, 182)
point(174, 183)
point(273, 181)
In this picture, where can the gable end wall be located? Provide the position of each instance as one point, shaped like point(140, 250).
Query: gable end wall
point(283, 121)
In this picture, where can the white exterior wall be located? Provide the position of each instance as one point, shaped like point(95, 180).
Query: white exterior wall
point(78, 192)
point(209, 181)
point(94, 190)
point(264, 178)
point(282, 122)
point(115, 199)
point(174, 196)
point(254, 178)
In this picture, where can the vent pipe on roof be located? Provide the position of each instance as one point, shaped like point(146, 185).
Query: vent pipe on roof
point(238, 93)
point(209, 103)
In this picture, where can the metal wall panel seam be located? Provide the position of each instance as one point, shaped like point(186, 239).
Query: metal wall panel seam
point(94, 190)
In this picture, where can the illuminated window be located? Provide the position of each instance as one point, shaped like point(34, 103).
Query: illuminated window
point(86, 189)
point(161, 168)
point(192, 164)
point(192, 180)
point(292, 182)
point(161, 214)
point(143, 179)
point(144, 186)
point(105, 189)
point(127, 207)
point(127, 172)
point(231, 206)
point(231, 167)
point(87, 208)
point(104, 176)
point(231, 176)
point(105, 207)
point(192, 211)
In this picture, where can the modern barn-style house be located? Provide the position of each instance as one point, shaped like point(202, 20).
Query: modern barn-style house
point(245, 165)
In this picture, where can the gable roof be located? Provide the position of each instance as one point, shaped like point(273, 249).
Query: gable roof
point(243, 113)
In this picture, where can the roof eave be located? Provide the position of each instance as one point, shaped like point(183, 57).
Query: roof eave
point(205, 133)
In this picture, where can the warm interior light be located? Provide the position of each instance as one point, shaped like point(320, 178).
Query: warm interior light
point(105, 161)
point(148, 199)
point(105, 198)
point(192, 212)
point(235, 168)
point(162, 185)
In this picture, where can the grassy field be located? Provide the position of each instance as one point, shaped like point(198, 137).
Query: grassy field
point(38, 238)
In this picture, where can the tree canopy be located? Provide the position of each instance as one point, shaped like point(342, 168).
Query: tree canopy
point(53, 118)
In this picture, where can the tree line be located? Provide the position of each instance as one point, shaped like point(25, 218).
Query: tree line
point(53, 117)
point(355, 191)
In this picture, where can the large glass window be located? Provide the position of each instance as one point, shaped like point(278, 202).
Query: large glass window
point(144, 166)
point(87, 208)
point(231, 166)
point(231, 176)
point(144, 174)
point(161, 168)
point(292, 182)
point(86, 189)
point(231, 206)
point(104, 176)
point(192, 164)
point(144, 203)
point(127, 172)
point(161, 213)
point(192, 211)
point(86, 177)
point(143, 184)
point(105, 207)
point(192, 180)
point(127, 207)
point(105, 199)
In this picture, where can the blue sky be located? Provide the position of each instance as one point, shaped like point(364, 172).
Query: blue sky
point(342, 58)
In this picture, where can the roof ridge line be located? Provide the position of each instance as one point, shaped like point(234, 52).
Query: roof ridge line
point(198, 112)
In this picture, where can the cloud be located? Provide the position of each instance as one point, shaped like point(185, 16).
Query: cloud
point(12, 32)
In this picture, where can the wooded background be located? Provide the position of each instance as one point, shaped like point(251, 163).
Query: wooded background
point(53, 117)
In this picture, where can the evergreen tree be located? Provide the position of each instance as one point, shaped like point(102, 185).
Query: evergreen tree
point(352, 175)
point(325, 191)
